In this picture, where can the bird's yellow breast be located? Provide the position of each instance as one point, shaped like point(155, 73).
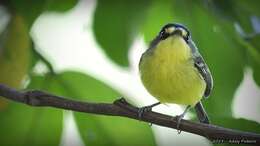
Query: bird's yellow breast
point(168, 73)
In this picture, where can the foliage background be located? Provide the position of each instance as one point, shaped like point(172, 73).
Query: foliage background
point(226, 32)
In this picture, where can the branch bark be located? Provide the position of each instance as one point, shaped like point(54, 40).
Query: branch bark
point(122, 108)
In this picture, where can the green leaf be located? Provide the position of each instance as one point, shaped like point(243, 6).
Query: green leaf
point(103, 130)
point(159, 14)
point(256, 71)
point(222, 8)
point(115, 26)
point(225, 58)
point(31, 9)
point(251, 6)
point(241, 12)
point(255, 41)
point(23, 125)
point(253, 55)
point(238, 11)
point(253, 49)
point(238, 124)
point(113, 131)
point(14, 55)
point(57, 5)
point(19, 123)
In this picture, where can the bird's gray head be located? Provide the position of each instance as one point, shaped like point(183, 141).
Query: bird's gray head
point(172, 29)
point(169, 30)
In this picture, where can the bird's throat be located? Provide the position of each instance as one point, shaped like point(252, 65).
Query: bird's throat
point(174, 47)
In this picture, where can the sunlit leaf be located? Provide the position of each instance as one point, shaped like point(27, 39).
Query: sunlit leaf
point(23, 125)
point(115, 25)
point(103, 130)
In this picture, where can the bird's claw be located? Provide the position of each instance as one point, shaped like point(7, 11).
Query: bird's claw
point(179, 118)
point(143, 110)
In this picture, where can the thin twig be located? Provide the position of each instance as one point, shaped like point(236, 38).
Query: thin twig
point(42, 58)
point(122, 108)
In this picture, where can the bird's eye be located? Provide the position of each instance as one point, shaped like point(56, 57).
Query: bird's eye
point(184, 33)
point(163, 34)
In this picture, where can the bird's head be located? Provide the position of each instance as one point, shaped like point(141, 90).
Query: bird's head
point(169, 31)
point(174, 29)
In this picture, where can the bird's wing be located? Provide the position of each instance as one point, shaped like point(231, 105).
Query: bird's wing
point(202, 68)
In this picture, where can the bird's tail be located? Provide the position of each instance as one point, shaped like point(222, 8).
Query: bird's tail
point(201, 113)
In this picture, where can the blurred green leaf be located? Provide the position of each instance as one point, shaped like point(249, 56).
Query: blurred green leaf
point(241, 12)
point(103, 130)
point(251, 6)
point(256, 71)
point(253, 55)
point(159, 14)
point(238, 124)
point(234, 11)
point(222, 8)
point(113, 131)
point(57, 5)
point(215, 40)
point(14, 56)
point(255, 64)
point(31, 9)
point(253, 48)
point(116, 23)
point(23, 125)
point(255, 41)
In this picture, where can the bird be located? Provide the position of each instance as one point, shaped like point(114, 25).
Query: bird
point(173, 71)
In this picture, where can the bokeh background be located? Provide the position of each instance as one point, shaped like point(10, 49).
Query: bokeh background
point(89, 50)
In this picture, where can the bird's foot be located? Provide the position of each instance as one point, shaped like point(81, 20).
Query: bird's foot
point(179, 118)
point(146, 109)
point(143, 110)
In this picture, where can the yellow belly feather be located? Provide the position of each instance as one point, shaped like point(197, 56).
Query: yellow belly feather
point(168, 73)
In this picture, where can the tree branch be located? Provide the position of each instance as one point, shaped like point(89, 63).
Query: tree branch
point(122, 108)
